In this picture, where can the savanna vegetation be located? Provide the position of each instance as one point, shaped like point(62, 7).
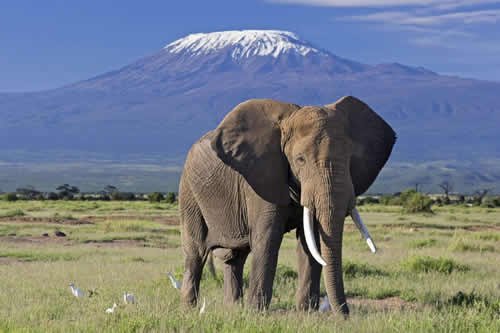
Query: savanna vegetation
point(435, 270)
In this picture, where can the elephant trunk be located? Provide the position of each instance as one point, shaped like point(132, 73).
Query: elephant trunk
point(331, 208)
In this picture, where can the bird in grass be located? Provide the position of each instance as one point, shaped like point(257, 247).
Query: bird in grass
point(111, 310)
point(128, 298)
point(77, 292)
point(202, 309)
point(325, 306)
point(175, 283)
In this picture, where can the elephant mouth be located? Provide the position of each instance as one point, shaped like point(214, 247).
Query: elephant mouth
point(311, 241)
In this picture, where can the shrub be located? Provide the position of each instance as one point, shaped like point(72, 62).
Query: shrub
point(127, 196)
point(426, 264)
point(52, 196)
point(472, 299)
point(406, 195)
point(352, 270)
point(417, 203)
point(155, 197)
point(390, 200)
point(11, 196)
point(115, 195)
point(488, 202)
point(284, 274)
point(170, 197)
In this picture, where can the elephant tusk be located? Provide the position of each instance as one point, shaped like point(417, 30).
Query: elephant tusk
point(310, 240)
point(362, 229)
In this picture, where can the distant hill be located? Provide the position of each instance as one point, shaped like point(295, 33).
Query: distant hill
point(163, 102)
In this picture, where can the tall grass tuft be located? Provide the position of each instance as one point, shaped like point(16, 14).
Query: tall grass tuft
point(426, 264)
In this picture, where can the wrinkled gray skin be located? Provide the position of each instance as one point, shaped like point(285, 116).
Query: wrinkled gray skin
point(244, 185)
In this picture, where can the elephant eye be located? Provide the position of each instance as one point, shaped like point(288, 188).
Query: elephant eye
point(300, 160)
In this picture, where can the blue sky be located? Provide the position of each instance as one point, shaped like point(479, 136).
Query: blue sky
point(46, 44)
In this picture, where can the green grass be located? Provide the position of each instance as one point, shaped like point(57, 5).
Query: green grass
point(421, 243)
point(440, 264)
point(426, 264)
point(12, 213)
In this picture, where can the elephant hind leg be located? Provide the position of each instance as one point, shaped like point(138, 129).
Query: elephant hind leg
point(193, 234)
point(193, 268)
point(233, 277)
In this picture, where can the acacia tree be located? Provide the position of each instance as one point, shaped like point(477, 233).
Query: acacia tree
point(29, 192)
point(480, 194)
point(447, 187)
point(67, 191)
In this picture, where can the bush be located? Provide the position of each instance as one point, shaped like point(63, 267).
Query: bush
point(52, 196)
point(426, 264)
point(11, 196)
point(388, 200)
point(353, 270)
point(488, 202)
point(155, 197)
point(407, 195)
point(170, 197)
point(417, 203)
point(115, 195)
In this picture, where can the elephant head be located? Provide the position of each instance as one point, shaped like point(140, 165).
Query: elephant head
point(328, 155)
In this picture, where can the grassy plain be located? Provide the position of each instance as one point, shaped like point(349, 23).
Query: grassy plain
point(438, 273)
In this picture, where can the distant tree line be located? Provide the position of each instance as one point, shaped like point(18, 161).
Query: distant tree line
point(413, 201)
point(70, 192)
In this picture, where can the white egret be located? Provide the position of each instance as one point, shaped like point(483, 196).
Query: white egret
point(77, 292)
point(202, 309)
point(325, 306)
point(111, 310)
point(128, 298)
point(175, 283)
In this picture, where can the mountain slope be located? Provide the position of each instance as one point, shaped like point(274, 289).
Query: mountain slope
point(165, 101)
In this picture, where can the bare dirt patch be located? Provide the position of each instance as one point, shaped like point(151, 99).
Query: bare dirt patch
point(35, 240)
point(54, 220)
point(159, 219)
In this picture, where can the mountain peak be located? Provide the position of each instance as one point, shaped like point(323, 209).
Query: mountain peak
point(243, 43)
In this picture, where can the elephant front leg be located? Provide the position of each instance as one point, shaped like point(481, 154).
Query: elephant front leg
point(309, 276)
point(265, 250)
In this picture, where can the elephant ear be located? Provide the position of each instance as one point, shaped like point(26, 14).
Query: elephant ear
point(249, 140)
point(372, 140)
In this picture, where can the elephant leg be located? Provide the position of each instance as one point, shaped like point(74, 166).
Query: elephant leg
point(266, 241)
point(309, 271)
point(193, 268)
point(193, 234)
point(233, 278)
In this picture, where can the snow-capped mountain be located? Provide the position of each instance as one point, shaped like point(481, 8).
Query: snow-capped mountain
point(165, 101)
point(243, 44)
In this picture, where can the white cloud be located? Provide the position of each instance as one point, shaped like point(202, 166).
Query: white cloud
point(406, 18)
point(439, 4)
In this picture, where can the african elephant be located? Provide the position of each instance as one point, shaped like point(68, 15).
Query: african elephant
point(267, 166)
